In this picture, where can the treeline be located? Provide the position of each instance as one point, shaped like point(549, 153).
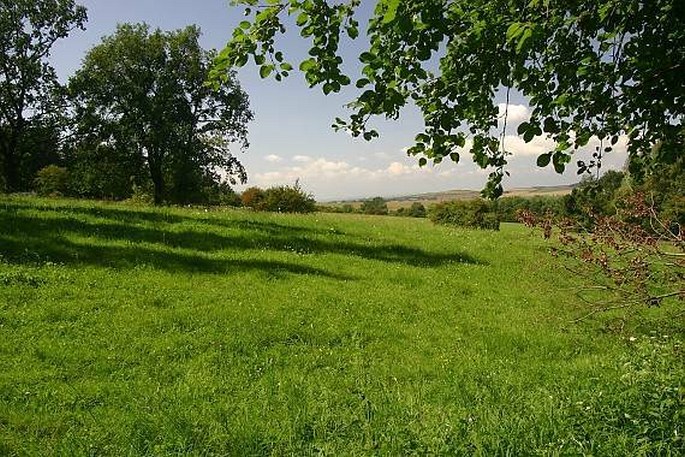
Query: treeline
point(663, 186)
point(136, 120)
point(376, 206)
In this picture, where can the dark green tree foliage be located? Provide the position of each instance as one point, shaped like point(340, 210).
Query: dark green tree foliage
point(104, 170)
point(143, 92)
point(476, 213)
point(288, 199)
point(39, 147)
point(665, 186)
point(594, 197)
point(29, 91)
point(588, 68)
point(417, 210)
point(509, 207)
point(279, 199)
point(52, 180)
point(376, 205)
point(221, 194)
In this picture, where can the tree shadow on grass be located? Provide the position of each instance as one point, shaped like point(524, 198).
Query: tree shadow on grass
point(62, 251)
point(48, 237)
point(161, 215)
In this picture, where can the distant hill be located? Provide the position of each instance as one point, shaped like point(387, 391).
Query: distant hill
point(456, 194)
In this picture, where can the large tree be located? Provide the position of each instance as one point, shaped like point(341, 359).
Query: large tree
point(144, 93)
point(588, 68)
point(28, 84)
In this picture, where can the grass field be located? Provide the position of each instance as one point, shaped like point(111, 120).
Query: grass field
point(143, 331)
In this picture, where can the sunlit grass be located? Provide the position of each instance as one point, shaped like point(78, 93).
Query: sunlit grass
point(143, 331)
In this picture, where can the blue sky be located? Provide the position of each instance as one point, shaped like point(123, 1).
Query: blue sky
point(291, 137)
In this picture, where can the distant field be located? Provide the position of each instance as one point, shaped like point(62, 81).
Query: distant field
point(160, 331)
point(450, 195)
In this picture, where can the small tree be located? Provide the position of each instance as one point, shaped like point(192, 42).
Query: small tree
point(347, 208)
point(52, 180)
point(288, 199)
point(417, 210)
point(477, 213)
point(376, 205)
point(253, 197)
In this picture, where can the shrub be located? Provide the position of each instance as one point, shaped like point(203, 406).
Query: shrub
point(472, 214)
point(417, 210)
point(288, 199)
point(253, 197)
point(220, 194)
point(52, 180)
point(508, 208)
point(375, 205)
point(141, 195)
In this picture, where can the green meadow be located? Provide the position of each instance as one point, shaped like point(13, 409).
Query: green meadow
point(128, 330)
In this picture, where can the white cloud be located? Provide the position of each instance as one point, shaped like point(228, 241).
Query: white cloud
point(302, 158)
point(538, 145)
point(273, 158)
point(515, 114)
point(400, 169)
point(320, 170)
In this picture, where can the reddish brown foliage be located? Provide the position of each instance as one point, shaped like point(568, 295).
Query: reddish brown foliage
point(633, 255)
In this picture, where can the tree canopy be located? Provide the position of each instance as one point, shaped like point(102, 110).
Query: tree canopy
point(141, 96)
point(588, 68)
point(29, 91)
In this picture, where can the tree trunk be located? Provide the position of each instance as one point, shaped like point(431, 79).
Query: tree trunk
point(157, 180)
point(10, 161)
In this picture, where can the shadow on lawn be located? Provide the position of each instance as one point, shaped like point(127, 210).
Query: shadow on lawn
point(27, 238)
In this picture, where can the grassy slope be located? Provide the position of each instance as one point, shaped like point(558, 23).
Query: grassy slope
point(161, 331)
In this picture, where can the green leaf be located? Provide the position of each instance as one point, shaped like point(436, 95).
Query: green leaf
point(550, 126)
point(514, 31)
point(525, 37)
point(543, 160)
point(423, 162)
point(302, 19)
point(241, 60)
point(307, 65)
point(528, 135)
point(367, 57)
point(391, 12)
point(265, 71)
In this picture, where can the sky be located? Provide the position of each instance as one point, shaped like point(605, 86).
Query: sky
point(291, 136)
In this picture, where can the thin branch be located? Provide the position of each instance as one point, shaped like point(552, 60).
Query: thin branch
point(601, 310)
